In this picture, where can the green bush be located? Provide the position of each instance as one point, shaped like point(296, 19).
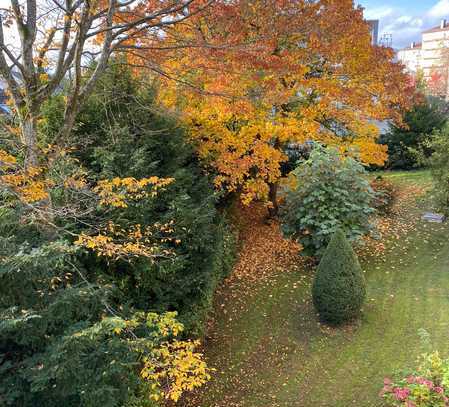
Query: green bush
point(63, 308)
point(339, 287)
point(122, 132)
point(56, 348)
point(404, 142)
point(331, 191)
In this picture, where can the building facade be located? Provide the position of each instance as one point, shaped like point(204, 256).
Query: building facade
point(411, 57)
point(430, 58)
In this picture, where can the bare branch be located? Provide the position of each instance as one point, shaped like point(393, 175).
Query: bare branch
point(7, 72)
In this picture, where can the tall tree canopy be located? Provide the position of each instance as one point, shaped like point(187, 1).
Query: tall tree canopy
point(278, 72)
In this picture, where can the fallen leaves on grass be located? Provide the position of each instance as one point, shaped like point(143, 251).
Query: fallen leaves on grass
point(264, 250)
point(392, 230)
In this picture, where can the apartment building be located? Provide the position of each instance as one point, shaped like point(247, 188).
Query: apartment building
point(411, 57)
point(435, 45)
point(430, 57)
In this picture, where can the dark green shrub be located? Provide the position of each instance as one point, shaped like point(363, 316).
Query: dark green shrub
point(339, 287)
point(63, 308)
point(405, 141)
point(385, 195)
point(55, 349)
point(122, 132)
point(331, 191)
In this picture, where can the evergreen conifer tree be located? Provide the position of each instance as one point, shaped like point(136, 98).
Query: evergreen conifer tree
point(339, 287)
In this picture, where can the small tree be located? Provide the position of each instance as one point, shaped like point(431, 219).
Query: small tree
point(339, 287)
point(404, 141)
point(330, 191)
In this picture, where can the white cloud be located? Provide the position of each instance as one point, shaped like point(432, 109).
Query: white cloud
point(379, 12)
point(404, 25)
point(441, 9)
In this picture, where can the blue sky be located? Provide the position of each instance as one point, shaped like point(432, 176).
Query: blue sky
point(405, 19)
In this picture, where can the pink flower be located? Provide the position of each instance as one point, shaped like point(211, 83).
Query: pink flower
point(401, 394)
point(387, 381)
point(411, 379)
point(438, 389)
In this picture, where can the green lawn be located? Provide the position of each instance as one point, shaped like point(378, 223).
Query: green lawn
point(406, 177)
point(269, 349)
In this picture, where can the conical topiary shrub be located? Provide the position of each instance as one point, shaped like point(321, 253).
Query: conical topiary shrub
point(339, 287)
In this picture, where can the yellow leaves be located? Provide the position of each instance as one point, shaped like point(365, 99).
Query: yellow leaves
point(118, 330)
point(166, 323)
point(43, 77)
point(33, 191)
point(364, 146)
point(116, 243)
point(254, 189)
point(118, 191)
point(6, 160)
point(284, 84)
point(27, 183)
point(175, 368)
point(169, 366)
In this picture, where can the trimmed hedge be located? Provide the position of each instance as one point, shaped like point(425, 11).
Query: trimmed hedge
point(339, 287)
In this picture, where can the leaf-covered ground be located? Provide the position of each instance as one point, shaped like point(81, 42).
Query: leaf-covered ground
point(265, 340)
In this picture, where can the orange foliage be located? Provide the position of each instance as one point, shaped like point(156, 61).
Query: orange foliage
point(274, 72)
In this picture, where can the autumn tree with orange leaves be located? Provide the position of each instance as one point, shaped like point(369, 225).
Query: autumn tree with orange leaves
point(271, 73)
point(249, 77)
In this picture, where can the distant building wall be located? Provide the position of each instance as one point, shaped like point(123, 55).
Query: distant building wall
point(435, 43)
point(431, 57)
point(411, 57)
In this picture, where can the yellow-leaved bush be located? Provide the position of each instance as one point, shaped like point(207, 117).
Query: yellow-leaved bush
point(115, 243)
point(170, 366)
point(117, 192)
point(33, 185)
point(27, 183)
point(180, 369)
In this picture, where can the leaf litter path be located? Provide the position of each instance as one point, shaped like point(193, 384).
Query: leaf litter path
point(267, 345)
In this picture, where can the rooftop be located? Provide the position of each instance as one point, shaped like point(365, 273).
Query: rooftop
point(444, 26)
point(413, 45)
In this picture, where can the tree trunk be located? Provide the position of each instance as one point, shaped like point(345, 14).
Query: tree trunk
point(29, 139)
point(273, 209)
